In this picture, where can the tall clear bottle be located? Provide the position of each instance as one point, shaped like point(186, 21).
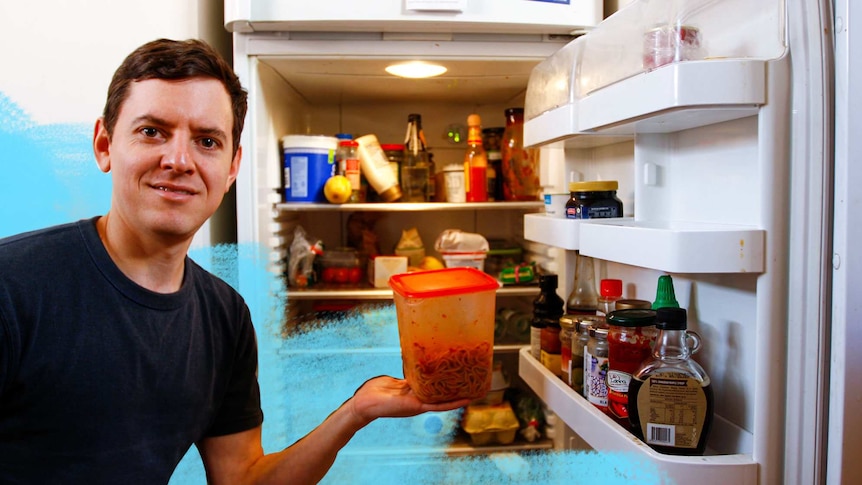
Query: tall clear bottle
point(415, 168)
point(583, 299)
point(520, 166)
point(670, 399)
point(475, 162)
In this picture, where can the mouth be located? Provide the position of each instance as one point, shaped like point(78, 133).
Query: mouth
point(171, 189)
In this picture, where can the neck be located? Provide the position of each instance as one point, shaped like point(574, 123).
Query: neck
point(154, 264)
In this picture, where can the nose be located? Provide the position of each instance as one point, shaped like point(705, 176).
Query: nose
point(178, 156)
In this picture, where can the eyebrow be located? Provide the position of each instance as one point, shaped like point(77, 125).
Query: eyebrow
point(155, 120)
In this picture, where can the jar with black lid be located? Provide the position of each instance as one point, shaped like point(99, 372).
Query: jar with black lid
point(594, 200)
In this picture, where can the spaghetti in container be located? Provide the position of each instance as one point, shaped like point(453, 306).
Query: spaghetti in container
point(446, 330)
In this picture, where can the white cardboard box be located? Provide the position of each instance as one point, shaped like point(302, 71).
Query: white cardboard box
point(381, 268)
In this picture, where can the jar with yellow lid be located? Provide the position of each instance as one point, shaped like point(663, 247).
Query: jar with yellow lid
point(594, 200)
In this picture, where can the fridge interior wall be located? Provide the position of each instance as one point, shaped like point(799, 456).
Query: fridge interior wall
point(279, 109)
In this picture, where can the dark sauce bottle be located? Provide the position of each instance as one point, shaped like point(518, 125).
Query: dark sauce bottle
point(670, 400)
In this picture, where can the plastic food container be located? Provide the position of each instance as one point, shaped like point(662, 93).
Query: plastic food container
point(342, 266)
point(490, 423)
point(309, 161)
point(446, 329)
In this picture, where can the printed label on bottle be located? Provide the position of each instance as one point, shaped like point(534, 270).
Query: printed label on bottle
point(672, 410)
point(552, 362)
point(536, 343)
point(618, 381)
point(596, 385)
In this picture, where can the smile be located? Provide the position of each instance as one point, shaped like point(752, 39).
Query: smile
point(173, 190)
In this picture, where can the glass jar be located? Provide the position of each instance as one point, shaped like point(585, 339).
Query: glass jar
point(594, 200)
point(551, 347)
point(580, 339)
point(595, 372)
point(631, 336)
point(520, 165)
point(567, 329)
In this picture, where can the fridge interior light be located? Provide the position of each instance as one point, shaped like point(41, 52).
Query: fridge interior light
point(415, 69)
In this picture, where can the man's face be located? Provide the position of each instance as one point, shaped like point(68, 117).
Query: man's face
point(170, 155)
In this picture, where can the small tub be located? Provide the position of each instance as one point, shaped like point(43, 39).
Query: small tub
point(474, 259)
point(309, 161)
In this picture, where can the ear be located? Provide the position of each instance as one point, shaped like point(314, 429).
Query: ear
point(102, 146)
point(234, 169)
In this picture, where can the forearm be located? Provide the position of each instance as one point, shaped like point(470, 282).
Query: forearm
point(308, 460)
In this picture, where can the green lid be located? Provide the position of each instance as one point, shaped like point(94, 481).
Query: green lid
point(664, 294)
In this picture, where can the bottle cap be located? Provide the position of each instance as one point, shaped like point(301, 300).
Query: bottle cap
point(632, 303)
point(474, 120)
point(548, 281)
point(634, 317)
point(611, 287)
point(664, 294)
point(594, 186)
point(391, 194)
point(670, 318)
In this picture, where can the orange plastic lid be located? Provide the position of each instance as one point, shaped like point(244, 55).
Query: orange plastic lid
point(442, 282)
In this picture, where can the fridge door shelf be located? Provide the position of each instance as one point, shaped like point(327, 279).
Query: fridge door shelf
point(408, 206)
point(672, 98)
point(603, 434)
point(675, 247)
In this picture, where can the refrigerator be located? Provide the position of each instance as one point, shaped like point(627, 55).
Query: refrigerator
point(734, 166)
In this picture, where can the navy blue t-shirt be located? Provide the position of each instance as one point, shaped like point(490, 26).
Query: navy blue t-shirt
point(104, 381)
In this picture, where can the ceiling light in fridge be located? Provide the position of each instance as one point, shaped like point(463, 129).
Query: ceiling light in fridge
point(415, 69)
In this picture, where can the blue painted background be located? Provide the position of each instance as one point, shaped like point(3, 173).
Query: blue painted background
point(49, 177)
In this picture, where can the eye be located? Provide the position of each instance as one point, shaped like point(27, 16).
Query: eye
point(209, 142)
point(150, 132)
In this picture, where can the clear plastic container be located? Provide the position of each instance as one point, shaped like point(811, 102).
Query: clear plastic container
point(446, 329)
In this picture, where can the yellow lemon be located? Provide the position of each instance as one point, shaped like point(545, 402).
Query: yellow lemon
point(337, 189)
point(430, 262)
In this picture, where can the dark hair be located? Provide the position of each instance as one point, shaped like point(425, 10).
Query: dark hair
point(174, 60)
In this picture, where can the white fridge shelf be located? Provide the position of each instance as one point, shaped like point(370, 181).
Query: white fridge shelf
point(603, 434)
point(674, 97)
point(674, 247)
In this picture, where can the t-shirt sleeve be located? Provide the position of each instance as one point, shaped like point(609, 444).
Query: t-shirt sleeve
point(240, 410)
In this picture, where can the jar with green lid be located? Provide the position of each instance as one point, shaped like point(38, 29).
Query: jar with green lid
point(567, 328)
point(594, 200)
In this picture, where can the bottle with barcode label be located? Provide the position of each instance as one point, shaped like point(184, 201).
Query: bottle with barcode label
point(670, 399)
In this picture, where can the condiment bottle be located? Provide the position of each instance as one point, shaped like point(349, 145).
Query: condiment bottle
point(665, 297)
point(596, 368)
point(551, 347)
point(415, 168)
point(631, 334)
point(349, 160)
point(580, 339)
point(567, 330)
point(375, 167)
point(520, 166)
point(583, 299)
point(475, 162)
point(491, 139)
point(595, 199)
point(610, 290)
point(670, 399)
point(547, 308)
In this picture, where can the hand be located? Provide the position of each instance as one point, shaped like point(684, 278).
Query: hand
point(386, 396)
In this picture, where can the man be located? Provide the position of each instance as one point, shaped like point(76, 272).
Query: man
point(117, 352)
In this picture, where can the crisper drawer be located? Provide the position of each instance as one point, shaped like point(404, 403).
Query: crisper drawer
point(438, 16)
